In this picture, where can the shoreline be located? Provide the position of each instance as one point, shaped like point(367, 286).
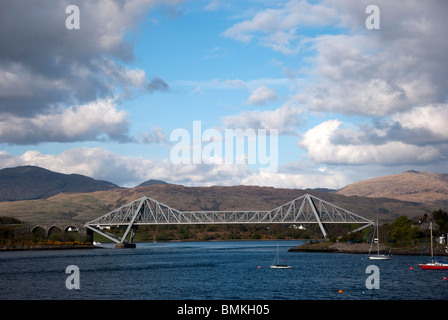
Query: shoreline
point(364, 248)
point(64, 246)
point(49, 248)
point(26, 245)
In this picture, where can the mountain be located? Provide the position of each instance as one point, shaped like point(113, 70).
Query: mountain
point(30, 182)
point(83, 207)
point(415, 186)
point(151, 182)
point(411, 194)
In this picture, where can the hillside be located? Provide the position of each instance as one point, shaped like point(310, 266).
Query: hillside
point(29, 182)
point(83, 207)
point(57, 196)
point(415, 186)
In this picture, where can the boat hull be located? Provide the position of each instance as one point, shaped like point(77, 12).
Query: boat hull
point(281, 267)
point(434, 266)
point(380, 257)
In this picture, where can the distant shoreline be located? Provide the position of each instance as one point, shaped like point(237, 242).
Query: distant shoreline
point(48, 248)
point(43, 245)
point(363, 248)
point(34, 246)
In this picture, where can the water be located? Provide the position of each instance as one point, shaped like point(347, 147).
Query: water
point(223, 270)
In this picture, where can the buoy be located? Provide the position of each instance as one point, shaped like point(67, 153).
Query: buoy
point(411, 268)
point(340, 291)
point(444, 278)
point(259, 267)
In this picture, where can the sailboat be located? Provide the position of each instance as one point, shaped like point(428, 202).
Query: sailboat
point(276, 264)
point(377, 256)
point(434, 264)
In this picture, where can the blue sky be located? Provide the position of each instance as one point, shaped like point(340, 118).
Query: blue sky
point(348, 103)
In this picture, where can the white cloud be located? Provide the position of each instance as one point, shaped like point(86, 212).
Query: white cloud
point(285, 119)
point(156, 135)
point(360, 74)
point(278, 26)
point(303, 180)
point(92, 121)
point(322, 148)
point(432, 118)
point(261, 96)
point(357, 71)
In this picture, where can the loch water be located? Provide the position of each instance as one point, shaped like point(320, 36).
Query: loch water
point(215, 270)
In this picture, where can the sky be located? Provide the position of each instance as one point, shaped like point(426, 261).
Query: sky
point(328, 93)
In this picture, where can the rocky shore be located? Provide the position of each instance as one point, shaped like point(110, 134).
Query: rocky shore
point(363, 248)
point(9, 245)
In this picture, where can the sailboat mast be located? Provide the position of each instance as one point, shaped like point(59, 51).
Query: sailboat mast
point(432, 250)
point(377, 237)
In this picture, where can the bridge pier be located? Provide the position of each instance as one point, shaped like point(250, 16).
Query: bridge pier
point(89, 234)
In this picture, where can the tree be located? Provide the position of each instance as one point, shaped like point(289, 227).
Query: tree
point(441, 218)
point(403, 231)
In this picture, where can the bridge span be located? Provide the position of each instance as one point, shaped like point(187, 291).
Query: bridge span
point(146, 211)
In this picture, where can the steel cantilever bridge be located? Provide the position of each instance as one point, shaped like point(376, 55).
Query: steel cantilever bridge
point(146, 211)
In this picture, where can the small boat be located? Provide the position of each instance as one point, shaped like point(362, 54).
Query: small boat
point(377, 256)
point(276, 264)
point(380, 257)
point(434, 264)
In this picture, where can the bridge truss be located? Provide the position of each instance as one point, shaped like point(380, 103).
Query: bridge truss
point(146, 211)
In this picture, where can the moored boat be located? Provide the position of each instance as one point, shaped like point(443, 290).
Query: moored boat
point(434, 264)
point(378, 256)
point(276, 264)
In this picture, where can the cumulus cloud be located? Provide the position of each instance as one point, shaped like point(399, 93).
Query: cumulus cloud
point(430, 119)
point(395, 78)
point(285, 119)
point(261, 96)
point(45, 67)
point(355, 70)
point(155, 135)
point(93, 121)
point(277, 28)
point(324, 145)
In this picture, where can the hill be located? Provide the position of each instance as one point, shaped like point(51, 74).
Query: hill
point(415, 186)
point(30, 182)
point(84, 207)
point(55, 196)
point(151, 182)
